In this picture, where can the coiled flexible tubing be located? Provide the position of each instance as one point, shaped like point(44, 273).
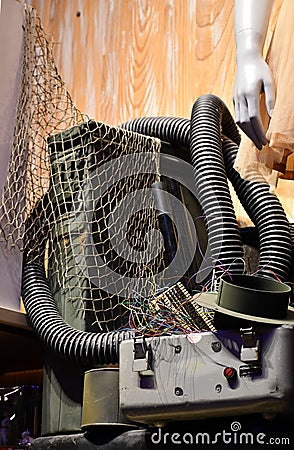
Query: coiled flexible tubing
point(213, 139)
point(93, 349)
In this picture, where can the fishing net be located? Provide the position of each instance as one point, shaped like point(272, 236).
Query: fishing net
point(67, 179)
point(44, 107)
point(82, 197)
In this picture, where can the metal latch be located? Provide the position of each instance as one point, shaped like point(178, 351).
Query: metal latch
point(250, 350)
point(142, 361)
point(250, 370)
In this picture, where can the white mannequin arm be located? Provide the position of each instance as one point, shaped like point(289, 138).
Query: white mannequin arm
point(253, 74)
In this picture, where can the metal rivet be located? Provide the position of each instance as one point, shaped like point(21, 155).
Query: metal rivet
point(216, 346)
point(178, 391)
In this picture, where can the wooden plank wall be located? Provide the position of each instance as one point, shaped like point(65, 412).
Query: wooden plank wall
point(122, 59)
point(127, 58)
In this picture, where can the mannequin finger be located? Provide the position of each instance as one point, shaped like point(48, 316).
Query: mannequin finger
point(246, 125)
point(253, 104)
point(255, 121)
point(243, 111)
point(258, 129)
point(236, 108)
point(237, 114)
point(249, 131)
point(269, 93)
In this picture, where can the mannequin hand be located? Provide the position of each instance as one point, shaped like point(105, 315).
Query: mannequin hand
point(253, 76)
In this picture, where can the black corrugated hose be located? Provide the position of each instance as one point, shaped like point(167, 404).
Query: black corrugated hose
point(213, 139)
point(210, 160)
point(267, 213)
point(85, 348)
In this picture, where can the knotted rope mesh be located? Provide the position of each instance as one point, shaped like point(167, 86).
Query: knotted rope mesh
point(67, 179)
point(44, 107)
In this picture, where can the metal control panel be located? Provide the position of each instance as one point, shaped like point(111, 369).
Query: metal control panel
point(207, 374)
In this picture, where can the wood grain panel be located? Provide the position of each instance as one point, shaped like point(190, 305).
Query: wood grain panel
point(128, 58)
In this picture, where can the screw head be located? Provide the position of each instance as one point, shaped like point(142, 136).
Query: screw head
point(179, 391)
point(230, 373)
point(216, 346)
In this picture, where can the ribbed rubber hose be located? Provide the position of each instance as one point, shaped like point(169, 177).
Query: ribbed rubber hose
point(209, 114)
point(267, 213)
point(213, 163)
point(87, 349)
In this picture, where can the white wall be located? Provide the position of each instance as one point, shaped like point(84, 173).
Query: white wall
point(11, 44)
